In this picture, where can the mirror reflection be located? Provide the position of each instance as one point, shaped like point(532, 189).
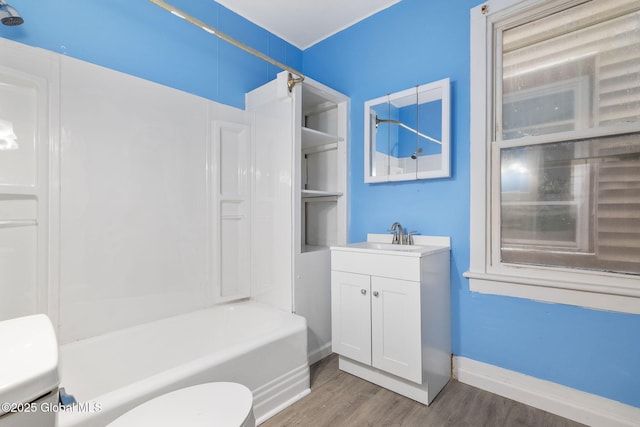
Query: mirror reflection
point(407, 134)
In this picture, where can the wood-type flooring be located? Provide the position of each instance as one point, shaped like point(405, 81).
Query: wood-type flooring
point(339, 399)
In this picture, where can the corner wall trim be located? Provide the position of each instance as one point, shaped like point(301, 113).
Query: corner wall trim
point(561, 400)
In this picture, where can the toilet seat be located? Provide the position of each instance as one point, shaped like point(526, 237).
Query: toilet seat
point(220, 404)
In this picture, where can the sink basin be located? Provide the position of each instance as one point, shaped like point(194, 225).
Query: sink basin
point(388, 248)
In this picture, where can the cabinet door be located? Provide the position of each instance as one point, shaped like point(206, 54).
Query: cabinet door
point(396, 328)
point(351, 315)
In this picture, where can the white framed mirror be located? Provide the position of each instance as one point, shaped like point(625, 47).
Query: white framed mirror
point(407, 134)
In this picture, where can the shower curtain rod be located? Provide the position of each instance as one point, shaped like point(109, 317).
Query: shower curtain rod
point(396, 122)
point(291, 82)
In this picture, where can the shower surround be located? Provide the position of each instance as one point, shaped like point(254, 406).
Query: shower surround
point(128, 203)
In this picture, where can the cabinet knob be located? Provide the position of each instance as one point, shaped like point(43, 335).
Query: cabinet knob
point(376, 293)
point(363, 291)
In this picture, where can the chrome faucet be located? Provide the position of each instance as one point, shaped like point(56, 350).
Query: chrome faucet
point(398, 234)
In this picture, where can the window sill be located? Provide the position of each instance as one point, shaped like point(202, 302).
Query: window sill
point(595, 296)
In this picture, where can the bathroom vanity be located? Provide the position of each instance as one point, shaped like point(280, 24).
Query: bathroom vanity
point(391, 317)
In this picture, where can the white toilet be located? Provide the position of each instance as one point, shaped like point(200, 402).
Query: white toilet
point(29, 383)
point(28, 372)
point(211, 404)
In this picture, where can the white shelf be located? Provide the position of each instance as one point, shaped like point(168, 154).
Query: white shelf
point(312, 138)
point(315, 101)
point(319, 193)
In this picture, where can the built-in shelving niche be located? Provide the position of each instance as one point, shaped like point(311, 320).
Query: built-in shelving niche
point(322, 151)
point(299, 199)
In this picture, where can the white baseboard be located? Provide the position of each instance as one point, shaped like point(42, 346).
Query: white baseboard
point(564, 401)
point(319, 353)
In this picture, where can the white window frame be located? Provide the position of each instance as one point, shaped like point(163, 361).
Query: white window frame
point(592, 289)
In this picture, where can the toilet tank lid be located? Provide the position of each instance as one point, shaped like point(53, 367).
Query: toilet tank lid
point(28, 360)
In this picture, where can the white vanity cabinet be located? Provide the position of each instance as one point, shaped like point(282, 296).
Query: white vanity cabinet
point(376, 321)
point(391, 315)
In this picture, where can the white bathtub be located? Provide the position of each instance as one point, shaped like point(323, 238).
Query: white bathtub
point(246, 342)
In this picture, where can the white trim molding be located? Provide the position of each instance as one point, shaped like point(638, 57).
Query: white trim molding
point(546, 291)
point(557, 399)
point(319, 353)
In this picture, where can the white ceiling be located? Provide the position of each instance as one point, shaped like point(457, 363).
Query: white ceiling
point(304, 23)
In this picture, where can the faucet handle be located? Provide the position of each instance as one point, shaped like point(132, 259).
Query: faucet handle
point(409, 237)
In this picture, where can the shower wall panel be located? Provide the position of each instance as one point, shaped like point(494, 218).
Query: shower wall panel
point(136, 214)
point(28, 85)
point(133, 205)
point(112, 190)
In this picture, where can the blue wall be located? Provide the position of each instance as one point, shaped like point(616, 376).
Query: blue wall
point(416, 42)
point(139, 38)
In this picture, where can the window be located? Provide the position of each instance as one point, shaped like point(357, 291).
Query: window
point(556, 130)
